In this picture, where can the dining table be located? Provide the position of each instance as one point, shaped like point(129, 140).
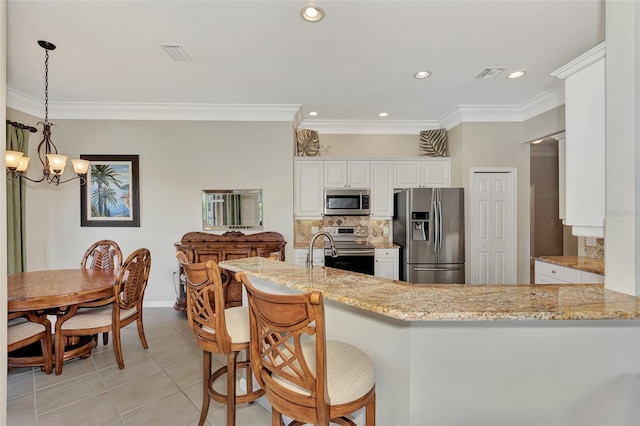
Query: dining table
point(56, 292)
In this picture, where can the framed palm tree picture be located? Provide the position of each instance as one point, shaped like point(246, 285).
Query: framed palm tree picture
point(111, 194)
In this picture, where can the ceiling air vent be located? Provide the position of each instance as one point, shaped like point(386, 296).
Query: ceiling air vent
point(490, 73)
point(177, 52)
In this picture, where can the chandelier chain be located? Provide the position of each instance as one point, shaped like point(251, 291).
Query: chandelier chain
point(52, 164)
point(46, 86)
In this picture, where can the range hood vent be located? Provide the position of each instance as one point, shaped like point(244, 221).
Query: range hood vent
point(490, 73)
point(177, 52)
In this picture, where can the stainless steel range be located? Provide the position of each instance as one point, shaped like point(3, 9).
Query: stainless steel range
point(354, 253)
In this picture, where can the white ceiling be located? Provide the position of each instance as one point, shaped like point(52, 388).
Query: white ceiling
point(260, 59)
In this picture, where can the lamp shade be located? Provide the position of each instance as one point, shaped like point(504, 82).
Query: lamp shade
point(56, 163)
point(80, 166)
point(24, 163)
point(12, 159)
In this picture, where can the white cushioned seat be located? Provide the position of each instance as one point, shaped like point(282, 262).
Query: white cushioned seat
point(237, 319)
point(95, 317)
point(20, 329)
point(350, 372)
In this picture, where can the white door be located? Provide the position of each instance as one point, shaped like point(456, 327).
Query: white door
point(493, 257)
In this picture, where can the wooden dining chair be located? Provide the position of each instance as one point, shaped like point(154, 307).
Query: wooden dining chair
point(103, 254)
point(218, 330)
point(306, 377)
point(24, 329)
point(128, 294)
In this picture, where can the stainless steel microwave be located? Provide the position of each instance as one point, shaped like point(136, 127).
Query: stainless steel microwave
point(346, 202)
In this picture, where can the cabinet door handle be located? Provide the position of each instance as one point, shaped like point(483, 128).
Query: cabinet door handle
point(553, 271)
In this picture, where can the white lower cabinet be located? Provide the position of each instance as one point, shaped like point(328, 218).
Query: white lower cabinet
point(548, 273)
point(387, 263)
point(300, 257)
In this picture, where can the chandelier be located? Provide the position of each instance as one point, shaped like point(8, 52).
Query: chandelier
point(53, 164)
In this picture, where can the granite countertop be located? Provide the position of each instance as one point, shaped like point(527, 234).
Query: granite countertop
point(320, 244)
point(385, 245)
point(587, 264)
point(447, 302)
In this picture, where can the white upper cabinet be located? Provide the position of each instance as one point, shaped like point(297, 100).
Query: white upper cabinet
point(432, 173)
point(308, 188)
point(585, 142)
point(382, 189)
point(346, 174)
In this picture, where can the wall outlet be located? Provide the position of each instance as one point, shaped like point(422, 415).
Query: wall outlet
point(385, 230)
point(590, 242)
point(314, 229)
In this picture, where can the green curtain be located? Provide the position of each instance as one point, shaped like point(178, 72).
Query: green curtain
point(17, 140)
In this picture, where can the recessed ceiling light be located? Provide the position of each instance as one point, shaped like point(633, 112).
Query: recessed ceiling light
point(383, 114)
point(422, 74)
point(516, 74)
point(312, 113)
point(312, 13)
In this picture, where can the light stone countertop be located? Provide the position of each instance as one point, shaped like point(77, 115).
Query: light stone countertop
point(581, 263)
point(378, 245)
point(447, 302)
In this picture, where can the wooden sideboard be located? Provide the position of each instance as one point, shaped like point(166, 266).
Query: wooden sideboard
point(201, 247)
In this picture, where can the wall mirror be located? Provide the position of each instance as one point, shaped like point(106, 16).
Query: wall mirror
point(231, 209)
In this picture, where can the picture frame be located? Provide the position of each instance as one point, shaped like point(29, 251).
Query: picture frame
point(117, 178)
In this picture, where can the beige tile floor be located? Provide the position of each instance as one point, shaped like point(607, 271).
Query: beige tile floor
point(158, 386)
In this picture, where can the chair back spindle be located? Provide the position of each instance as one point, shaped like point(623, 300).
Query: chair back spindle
point(103, 254)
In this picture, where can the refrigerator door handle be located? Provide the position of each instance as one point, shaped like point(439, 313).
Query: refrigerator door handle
point(439, 224)
point(434, 204)
point(436, 269)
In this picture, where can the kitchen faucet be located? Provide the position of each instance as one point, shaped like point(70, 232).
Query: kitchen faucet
point(334, 252)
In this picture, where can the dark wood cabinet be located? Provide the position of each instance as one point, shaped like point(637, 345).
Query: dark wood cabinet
point(201, 247)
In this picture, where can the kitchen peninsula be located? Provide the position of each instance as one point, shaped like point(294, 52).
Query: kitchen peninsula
point(480, 354)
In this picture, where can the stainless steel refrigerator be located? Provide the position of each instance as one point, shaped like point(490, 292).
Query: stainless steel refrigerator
point(428, 225)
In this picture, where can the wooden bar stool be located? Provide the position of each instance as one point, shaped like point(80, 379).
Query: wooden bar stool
point(306, 377)
point(217, 330)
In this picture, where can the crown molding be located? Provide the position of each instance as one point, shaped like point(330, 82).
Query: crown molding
point(152, 111)
point(504, 113)
point(451, 119)
point(24, 103)
point(480, 114)
point(581, 62)
point(186, 112)
point(368, 127)
point(285, 112)
point(543, 102)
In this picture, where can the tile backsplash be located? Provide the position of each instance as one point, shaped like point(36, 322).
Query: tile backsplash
point(597, 251)
point(303, 234)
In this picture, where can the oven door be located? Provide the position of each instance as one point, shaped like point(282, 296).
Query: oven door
point(354, 262)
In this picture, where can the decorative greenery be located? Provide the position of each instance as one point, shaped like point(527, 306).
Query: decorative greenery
point(308, 143)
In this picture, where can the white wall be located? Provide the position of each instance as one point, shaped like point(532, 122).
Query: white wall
point(545, 124)
point(370, 145)
point(177, 161)
point(622, 215)
point(3, 215)
point(498, 145)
